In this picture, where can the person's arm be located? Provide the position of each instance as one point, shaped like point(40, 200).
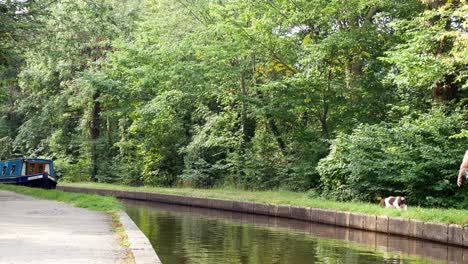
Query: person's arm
point(463, 166)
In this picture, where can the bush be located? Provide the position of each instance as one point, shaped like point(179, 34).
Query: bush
point(206, 157)
point(160, 131)
point(268, 167)
point(416, 157)
point(263, 163)
point(69, 170)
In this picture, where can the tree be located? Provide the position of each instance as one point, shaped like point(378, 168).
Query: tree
point(433, 53)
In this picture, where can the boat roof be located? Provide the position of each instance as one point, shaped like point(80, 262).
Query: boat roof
point(30, 159)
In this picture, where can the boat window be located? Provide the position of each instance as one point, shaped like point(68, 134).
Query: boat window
point(13, 168)
point(40, 168)
point(47, 168)
point(31, 168)
point(4, 170)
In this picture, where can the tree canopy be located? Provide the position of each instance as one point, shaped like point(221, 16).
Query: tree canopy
point(352, 99)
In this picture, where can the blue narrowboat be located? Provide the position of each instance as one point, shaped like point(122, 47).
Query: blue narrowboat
point(28, 172)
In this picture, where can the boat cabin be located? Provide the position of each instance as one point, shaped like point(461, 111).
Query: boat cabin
point(30, 172)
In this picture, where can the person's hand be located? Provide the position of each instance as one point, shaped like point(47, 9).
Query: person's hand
point(459, 181)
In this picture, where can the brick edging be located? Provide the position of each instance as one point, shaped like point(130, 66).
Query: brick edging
point(442, 233)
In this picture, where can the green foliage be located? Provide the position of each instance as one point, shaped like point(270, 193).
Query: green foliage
point(267, 167)
point(6, 150)
point(209, 156)
point(432, 54)
point(264, 163)
point(161, 129)
point(230, 93)
point(416, 158)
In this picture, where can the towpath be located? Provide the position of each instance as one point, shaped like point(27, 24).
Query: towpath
point(42, 231)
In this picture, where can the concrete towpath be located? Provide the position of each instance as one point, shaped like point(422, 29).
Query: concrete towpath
point(41, 231)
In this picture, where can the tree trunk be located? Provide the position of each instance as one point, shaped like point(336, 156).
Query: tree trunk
point(243, 114)
point(445, 91)
point(323, 120)
point(95, 133)
point(433, 4)
point(277, 134)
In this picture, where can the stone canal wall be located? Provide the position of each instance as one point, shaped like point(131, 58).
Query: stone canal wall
point(443, 233)
point(142, 250)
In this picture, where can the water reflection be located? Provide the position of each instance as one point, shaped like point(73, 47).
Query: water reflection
point(182, 234)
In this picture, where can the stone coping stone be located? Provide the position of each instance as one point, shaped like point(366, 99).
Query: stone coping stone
point(416, 228)
point(156, 197)
point(262, 209)
point(142, 250)
point(104, 192)
point(200, 202)
point(381, 224)
point(273, 210)
point(130, 195)
point(99, 192)
point(80, 190)
point(222, 204)
point(314, 215)
point(327, 216)
point(398, 226)
point(342, 218)
point(300, 213)
point(117, 193)
point(283, 210)
point(178, 199)
point(66, 188)
point(465, 237)
point(356, 220)
point(143, 196)
point(243, 207)
point(436, 232)
point(455, 235)
point(370, 222)
point(139, 195)
point(87, 190)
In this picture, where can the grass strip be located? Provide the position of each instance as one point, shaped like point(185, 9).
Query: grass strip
point(435, 215)
point(89, 201)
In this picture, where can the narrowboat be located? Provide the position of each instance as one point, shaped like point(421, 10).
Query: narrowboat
point(28, 172)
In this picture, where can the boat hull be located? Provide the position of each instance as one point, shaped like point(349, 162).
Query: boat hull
point(44, 181)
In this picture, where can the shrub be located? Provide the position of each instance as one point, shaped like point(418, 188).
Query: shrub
point(416, 157)
point(206, 157)
point(160, 131)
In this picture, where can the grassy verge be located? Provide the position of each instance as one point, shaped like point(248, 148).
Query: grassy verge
point(89, 201)
point(436, 215)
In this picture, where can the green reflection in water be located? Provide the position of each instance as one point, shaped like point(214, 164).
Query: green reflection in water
point(182, 238)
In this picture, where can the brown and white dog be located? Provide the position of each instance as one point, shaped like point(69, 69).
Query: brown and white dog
point(398, 202)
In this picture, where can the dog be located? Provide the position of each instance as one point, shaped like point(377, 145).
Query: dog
point(398, 202)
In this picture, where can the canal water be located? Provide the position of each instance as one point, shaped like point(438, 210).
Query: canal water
point(183, 235)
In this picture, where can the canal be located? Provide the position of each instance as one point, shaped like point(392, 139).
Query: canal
point(183, 235)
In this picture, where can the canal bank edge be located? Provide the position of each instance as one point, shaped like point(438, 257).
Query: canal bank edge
point(142, 250)
point(443, 233)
